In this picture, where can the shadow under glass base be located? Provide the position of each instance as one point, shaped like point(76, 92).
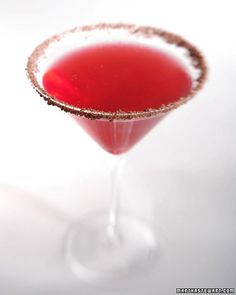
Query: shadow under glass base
point(96, 255)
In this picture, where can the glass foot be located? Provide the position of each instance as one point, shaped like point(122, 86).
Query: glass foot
point(96, 253)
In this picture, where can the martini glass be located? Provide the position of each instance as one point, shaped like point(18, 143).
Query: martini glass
point(114, 243)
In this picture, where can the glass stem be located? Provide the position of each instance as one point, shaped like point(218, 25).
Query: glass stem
point(115, 197)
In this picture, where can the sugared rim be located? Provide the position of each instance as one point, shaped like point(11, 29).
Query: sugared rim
point(197, 60)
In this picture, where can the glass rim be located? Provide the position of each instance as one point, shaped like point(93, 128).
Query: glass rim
point(197, 61)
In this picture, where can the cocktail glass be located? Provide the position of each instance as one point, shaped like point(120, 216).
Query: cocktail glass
point(117, 243)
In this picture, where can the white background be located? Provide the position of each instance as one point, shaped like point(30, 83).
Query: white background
point(182, 176)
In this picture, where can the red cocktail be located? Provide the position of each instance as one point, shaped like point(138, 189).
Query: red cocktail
point(117, 81)
point(115, 77)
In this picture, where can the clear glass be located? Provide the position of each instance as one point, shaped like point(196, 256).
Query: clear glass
point(114, 243)
point(110, 244)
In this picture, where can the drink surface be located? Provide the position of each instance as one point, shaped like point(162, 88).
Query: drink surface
point(117, 76)
point(113, 77)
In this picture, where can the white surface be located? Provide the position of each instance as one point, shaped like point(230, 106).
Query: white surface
point(182, 176)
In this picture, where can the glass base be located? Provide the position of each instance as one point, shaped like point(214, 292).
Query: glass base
point(96, 253)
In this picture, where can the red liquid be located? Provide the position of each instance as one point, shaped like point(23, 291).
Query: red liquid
point(117, 76)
